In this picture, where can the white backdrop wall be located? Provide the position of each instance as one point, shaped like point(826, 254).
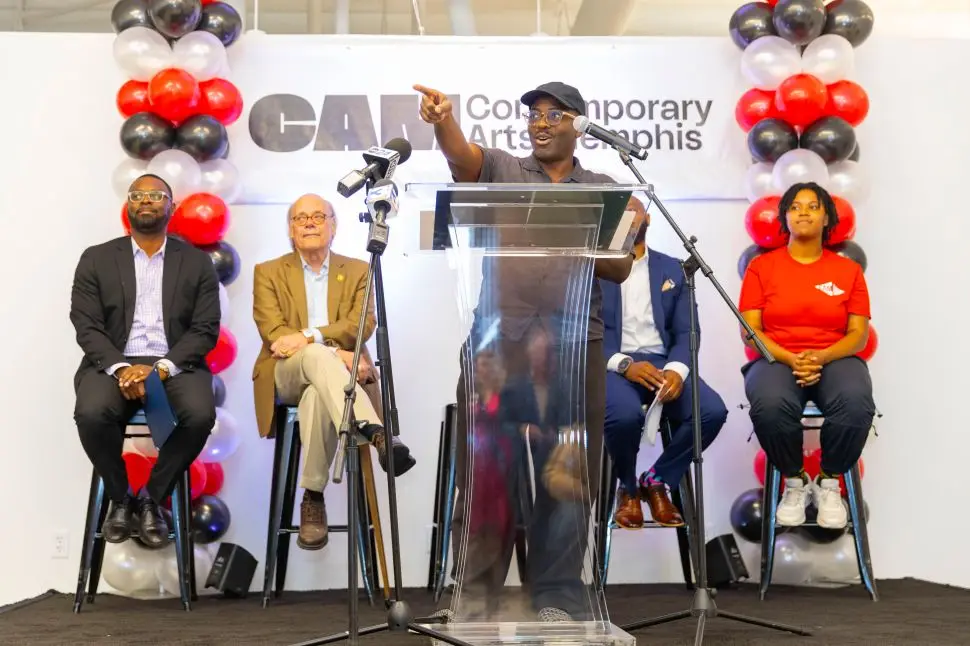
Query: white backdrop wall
point(61, 144)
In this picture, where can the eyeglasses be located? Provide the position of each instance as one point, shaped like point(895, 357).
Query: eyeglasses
point(153, 196)
point(316, 218)
point(553, 117)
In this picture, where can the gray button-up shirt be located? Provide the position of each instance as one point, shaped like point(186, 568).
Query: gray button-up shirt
point(521, 290)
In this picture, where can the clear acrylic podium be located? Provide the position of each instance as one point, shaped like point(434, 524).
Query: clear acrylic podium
point(524, 256)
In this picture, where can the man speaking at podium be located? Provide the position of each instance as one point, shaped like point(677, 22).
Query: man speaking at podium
point(516, 309)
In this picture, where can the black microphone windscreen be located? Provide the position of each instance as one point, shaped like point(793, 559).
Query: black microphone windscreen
point(400, 146)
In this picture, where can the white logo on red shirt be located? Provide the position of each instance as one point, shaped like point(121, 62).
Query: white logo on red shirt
point(830, 289)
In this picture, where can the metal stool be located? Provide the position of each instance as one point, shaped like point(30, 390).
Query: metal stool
point(444, 508)
point(286, 464)
point(857, 521)
point(92, 554)
point(682, 497)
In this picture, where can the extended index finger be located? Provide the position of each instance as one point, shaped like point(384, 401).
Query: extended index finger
point(428, 92)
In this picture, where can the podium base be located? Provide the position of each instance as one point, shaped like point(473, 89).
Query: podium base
point(535, 633)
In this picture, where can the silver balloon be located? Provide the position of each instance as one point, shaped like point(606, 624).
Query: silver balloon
point(125, 173)
point(220, 177)
point(178, 169)
point(770, 60)
point(224, 438)
point(130, 568)
point(848, 180)
point(167, 571)
point(797, 166)
point(200, 54)
point(224, 305)
point(141, 53)
point(830, 58)
point(835, 562)
point(758, 181)
point(793, 561)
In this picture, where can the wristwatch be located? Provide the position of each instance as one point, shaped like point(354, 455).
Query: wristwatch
point(308, 333)
point(625, 364)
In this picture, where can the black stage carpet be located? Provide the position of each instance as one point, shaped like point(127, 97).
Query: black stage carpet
point(908, 612)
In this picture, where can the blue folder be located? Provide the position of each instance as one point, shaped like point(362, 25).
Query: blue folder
point(158, 413)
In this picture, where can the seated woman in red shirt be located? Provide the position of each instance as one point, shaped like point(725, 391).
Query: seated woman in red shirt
point(810, 307)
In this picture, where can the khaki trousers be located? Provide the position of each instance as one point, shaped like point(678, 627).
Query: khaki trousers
point(313, 379)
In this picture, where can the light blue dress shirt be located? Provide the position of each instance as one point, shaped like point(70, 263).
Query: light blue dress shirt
point(316, 297)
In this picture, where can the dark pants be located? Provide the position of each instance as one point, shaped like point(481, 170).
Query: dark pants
point(101, 413)
point(624, 425)
point(557, 529)
point(843, 395)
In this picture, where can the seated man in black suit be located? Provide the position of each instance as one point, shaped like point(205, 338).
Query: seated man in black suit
point(143, 303)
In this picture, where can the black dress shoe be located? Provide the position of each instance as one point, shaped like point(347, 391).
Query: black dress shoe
point(403, 461)
point(152, 528)
point(117, 525)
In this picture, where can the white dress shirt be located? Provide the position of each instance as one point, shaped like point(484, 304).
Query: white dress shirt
point(147, 335)
point(316, 284)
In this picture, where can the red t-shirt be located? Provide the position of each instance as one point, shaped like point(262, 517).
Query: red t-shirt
point(804, 307)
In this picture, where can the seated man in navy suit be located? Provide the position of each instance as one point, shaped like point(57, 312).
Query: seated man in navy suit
point(647, 347)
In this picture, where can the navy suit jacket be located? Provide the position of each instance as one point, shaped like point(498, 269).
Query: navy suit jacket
point(671, 309)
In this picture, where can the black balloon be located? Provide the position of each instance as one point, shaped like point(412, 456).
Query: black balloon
point(226, 261)
point(222, 21)
point(832, 138)
point(855, 153)
point(130, 13)
point(851, 19)
point(799, 21)
point(770, 139)
point(747, 256)
point(175, 18)
point(818, 534)
point(210, 519)
point(750, 22)
point(218, 390)
point(225, 155)
point(202, 137)
point(144, 135)
point(747, 516)
point(852, 251)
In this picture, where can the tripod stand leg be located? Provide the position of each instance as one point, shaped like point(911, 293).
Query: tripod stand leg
point(656, 621)
point(763, 623)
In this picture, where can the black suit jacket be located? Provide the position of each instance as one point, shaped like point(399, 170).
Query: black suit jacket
point(103, 304)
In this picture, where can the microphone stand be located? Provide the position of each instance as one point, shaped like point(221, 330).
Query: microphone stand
point(348, 450)
point(703, 606)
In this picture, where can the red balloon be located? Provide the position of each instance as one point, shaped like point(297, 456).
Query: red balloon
point(201, 218)
point(215, 477)
point(174, 94)
point(772, 3)
point(133, 98)
point(760, 461)
point(222, 356)
point(845, 229)
point(751, 354)
point(812, 462)
point(221, 101)
point(125, 223)
point(761, 222)
point(197, 479)
point(872, 344)
point(753, 106)
point(847, 100)
point(139, 468)
point(801, 99)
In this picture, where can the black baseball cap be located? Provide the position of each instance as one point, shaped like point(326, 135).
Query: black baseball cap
point(565, 94)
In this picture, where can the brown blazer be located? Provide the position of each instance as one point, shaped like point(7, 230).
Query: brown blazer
point(280, 308)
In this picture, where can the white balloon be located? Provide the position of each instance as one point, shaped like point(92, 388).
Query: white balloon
point(141, 53)
point(144, 445)
point(167, 571)
point(224, 305)
point(769, 60)
point(758, 181)
point(799, 165)
point(224, 438)
point(178, 169)
point(830, 58)
point(130, 568)
point(201, 54)
point(220, 177)
point(848, 180)
point(125, 173)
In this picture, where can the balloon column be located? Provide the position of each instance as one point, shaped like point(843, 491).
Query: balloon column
point(800, 115)
point(176, 104)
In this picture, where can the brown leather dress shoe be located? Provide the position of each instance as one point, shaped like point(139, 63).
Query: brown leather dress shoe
point(629, 513)
point(661, 509)
point(403, 460)
point(313, 524)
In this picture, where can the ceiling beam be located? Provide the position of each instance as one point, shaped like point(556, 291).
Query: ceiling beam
point(602, 17)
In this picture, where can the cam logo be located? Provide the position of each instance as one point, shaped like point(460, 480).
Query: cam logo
point(287, 123)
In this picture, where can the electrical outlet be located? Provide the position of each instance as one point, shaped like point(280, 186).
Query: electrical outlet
point(61, 545)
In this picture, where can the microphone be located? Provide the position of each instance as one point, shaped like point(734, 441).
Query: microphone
point(382, 204)
point(583, 125)
point(381, 163)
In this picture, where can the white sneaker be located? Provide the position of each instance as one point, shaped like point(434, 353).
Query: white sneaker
point(791, 509)
point(832, 511)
